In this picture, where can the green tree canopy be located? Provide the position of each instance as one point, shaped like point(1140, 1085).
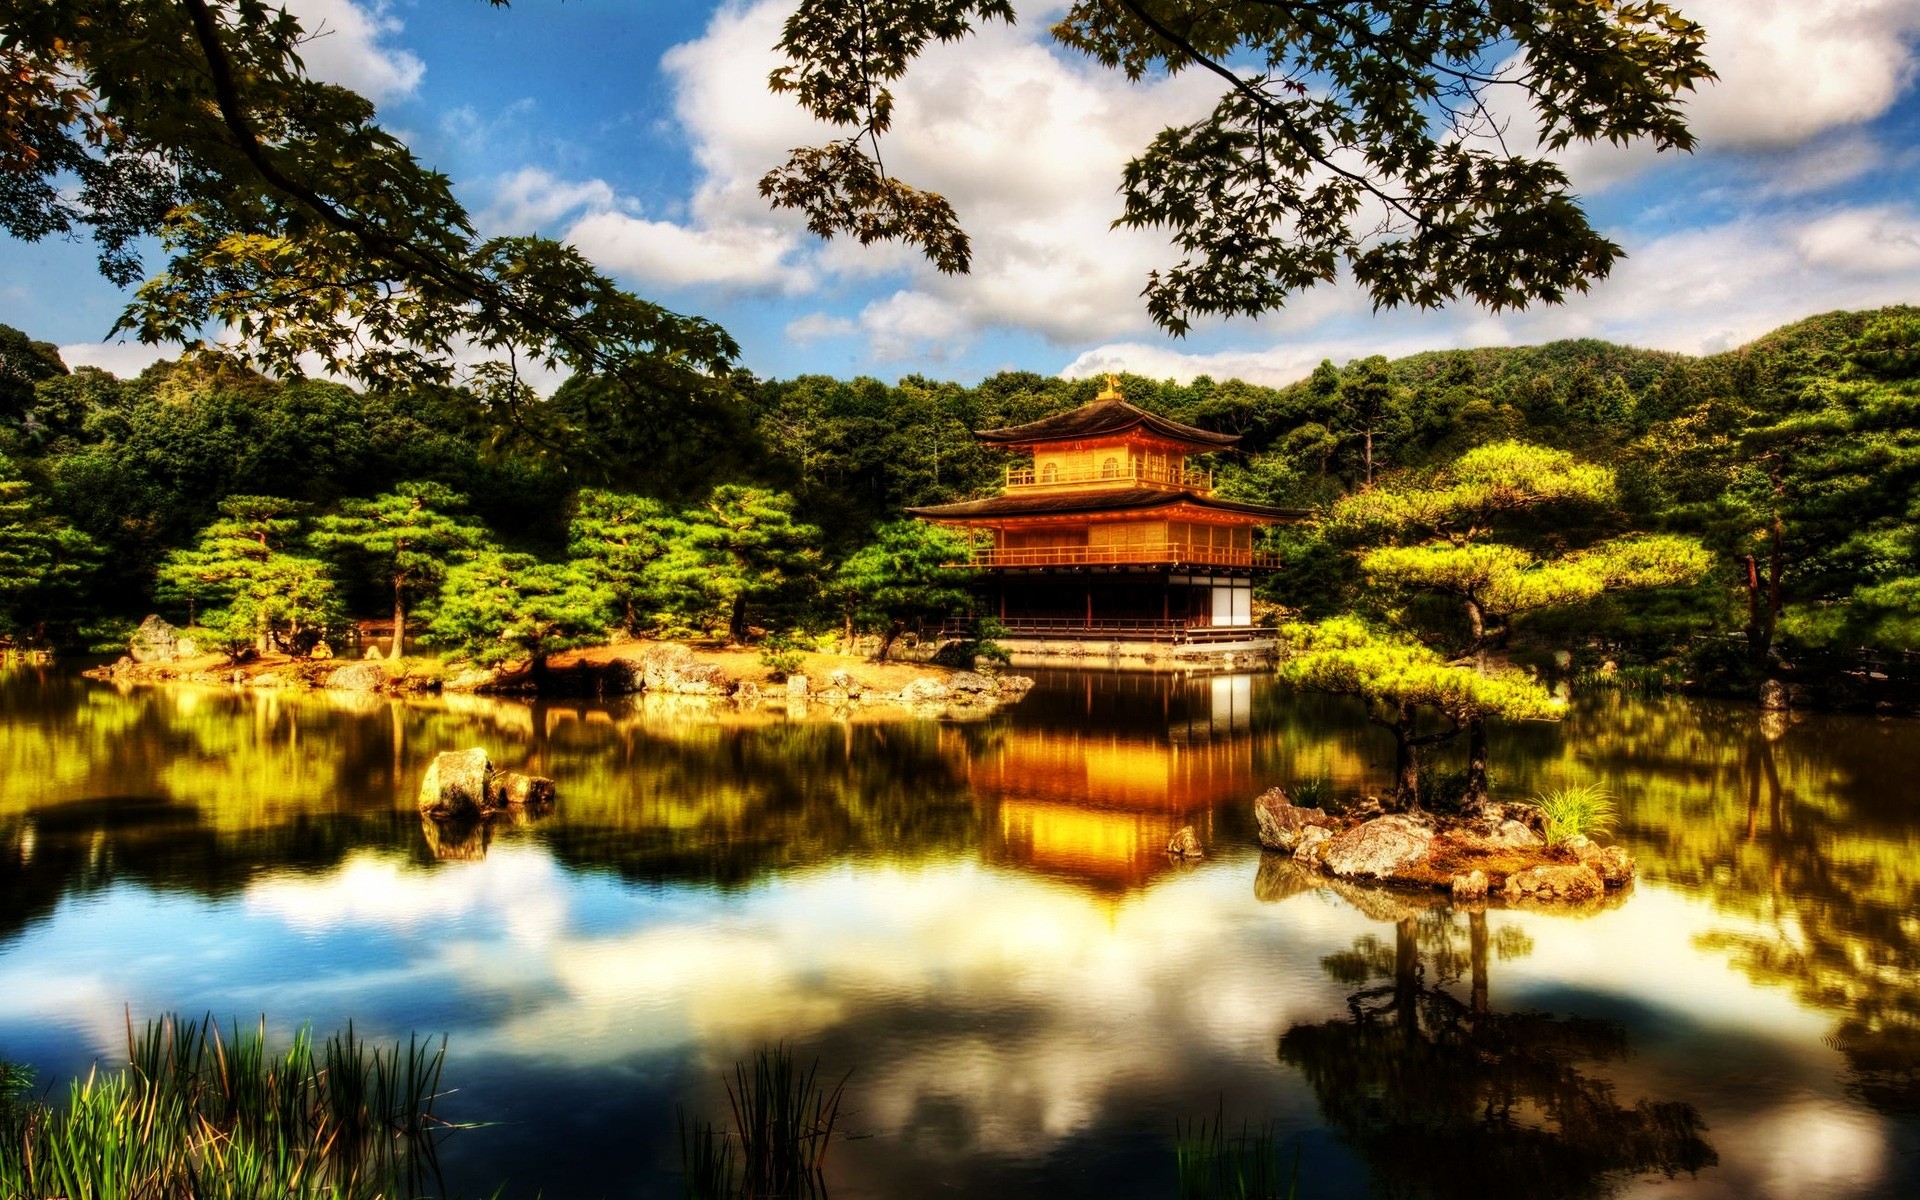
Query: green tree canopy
point(286, 213)
point(900, 575)
point(739, 546)
point(497, 607)
point(411, 534)
point(1399, 679)
point(1357, 135)
point(42, 558)
point(616, 540)
point(269, 596)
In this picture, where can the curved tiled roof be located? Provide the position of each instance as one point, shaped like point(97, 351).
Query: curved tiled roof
point(1101, 418)
point(1063, 503)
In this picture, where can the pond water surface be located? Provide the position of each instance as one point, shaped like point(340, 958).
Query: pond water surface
point(979, 923)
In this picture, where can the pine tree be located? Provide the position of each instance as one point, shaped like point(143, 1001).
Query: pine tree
point(412, 534)
point(902, 574)
point(738, 546)
point(616, 539)
point(498, 606)
point(268, 595)
point(1438, 542)
point(40, 556)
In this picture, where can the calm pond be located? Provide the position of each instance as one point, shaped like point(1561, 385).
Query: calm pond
point(979, 922)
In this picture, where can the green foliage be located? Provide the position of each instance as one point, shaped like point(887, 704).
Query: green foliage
point(497, 607)
point(1263, 195)
point(264, 594)
point(288, 215)
point(409, 535)
point(42, 558)
point(195, 1112)
point(1312, 791)
point(901, 575)
point(781, 656)
point(1576, 811)
point(740, 546)
point(616, 540)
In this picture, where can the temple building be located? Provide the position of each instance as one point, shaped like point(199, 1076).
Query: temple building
point(1108, 535)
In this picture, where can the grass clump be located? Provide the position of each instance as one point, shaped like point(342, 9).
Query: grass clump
point(1581, 810)
point(197, 1113)
point(1314, 791)
point(783, 1121)
point(1215, 1163)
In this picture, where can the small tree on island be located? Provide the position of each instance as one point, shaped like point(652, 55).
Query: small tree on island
point(738, 546)
point(411, 534)
point(498, 607)
point(1438, 543)
point(900, 576)
point(1400, 680)
point(617, 539)
point(269, 596)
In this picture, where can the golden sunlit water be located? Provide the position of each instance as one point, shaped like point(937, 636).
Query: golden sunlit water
point(979, 922)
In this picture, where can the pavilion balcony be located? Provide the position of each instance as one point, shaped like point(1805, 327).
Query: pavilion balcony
point(1180, 630)
point(1132, 475)
point(1134, 553)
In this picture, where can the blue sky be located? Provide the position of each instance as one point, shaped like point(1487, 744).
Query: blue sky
point(637, 130)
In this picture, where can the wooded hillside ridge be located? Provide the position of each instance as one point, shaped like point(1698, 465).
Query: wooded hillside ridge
point(772, 508)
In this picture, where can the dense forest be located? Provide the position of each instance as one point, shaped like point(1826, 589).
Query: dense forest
point(271, 511)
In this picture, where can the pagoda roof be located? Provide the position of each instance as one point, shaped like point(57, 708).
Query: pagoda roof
point(1104, 417)
point(1067, 503)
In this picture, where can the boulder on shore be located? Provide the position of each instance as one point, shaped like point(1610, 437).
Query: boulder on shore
point(157, 641)
point(1613, 865)
point(358, 677)
point(1380, 849)
point(1282, 822)
point(673, 668)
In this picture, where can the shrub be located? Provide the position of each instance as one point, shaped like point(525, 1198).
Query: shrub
point(1582, 810)
point(781, 656)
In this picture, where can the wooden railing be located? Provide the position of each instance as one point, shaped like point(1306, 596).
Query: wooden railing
point(1138, 472)
point(1144, 630)
point(1133, 552)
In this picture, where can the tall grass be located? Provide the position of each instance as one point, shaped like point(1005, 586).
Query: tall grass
point(783, 1121)
point(1214, 1163)
point(1312, 791)
point(1584, 809)
point(197, 1114)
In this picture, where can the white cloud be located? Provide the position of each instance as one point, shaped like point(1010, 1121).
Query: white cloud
point(348, 44)
point(662, 252)
point(1882, 241)
point(531, 198)
point(124, 359)
point(819, 326)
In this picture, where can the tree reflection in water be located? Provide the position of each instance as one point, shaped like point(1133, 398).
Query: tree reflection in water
point(1446, 1097)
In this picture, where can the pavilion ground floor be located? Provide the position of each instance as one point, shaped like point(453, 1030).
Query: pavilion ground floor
point(1146, 603)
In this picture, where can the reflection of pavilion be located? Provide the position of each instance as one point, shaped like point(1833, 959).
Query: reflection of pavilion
point(1096, 785)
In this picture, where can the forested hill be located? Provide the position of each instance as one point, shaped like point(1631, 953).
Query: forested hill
point(1802, 448)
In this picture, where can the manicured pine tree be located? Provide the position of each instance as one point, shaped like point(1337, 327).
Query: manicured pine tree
point(1399, 679)
point(39, 555)
point(496, 607)
point(269, 595)
point(738, 546)
point(412, 535)
point(1439, 544)
point(616, 539)
point(900, 575)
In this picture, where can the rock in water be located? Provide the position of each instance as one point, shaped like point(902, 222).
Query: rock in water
point(514, 790)
point(456, 785)
point(1471, 886)
point(1186, 844)
point(924, 691)
point(1555, 883)
point(1610, 863)
point(1381, 848)
point(1282, 822)
point(798, 686)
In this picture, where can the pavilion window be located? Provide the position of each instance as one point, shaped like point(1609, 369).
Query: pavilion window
point(1110, 468)
point(1050, 473)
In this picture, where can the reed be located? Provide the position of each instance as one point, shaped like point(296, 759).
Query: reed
point(198, 1113)
point(1215, 1163)
point(783, 1119)
point(1569, 812)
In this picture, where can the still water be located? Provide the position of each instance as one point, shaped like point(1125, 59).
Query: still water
point(978, 922)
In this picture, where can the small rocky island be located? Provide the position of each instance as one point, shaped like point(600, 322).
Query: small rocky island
point(1491, 851)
